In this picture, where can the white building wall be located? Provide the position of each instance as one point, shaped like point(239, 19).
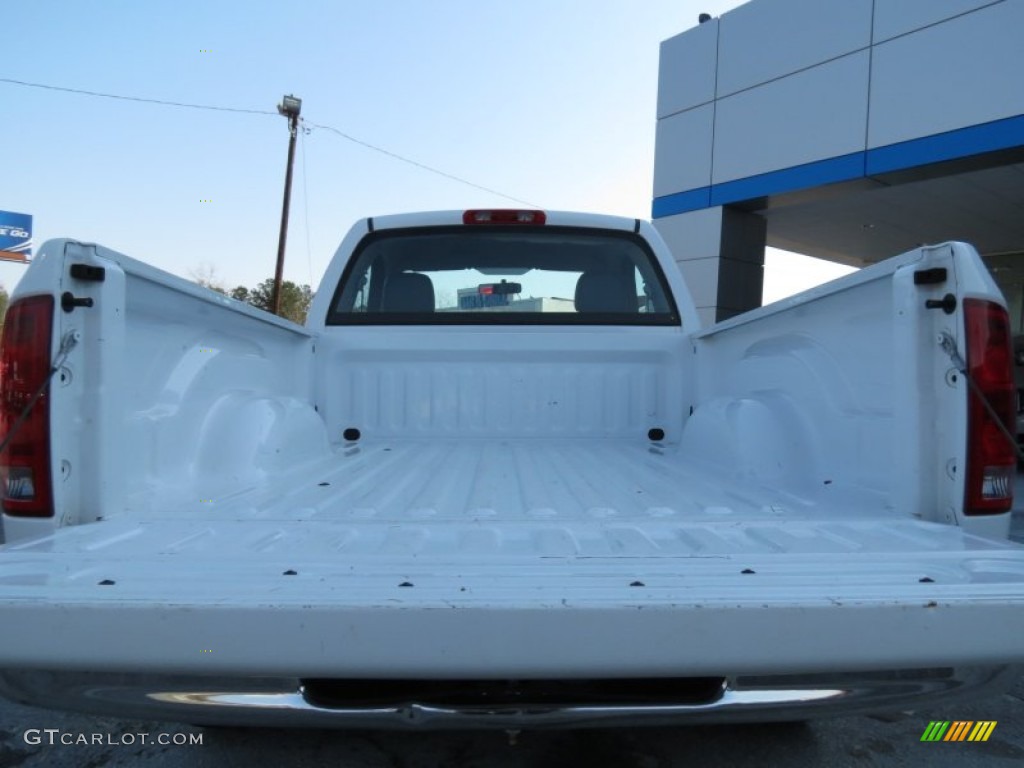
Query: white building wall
point(699, 233)
point(800, 34)
point(813, 114)
point(965, 71)
point(781, 95)
point(687, 140)
point(694, 53)
point(900, 17)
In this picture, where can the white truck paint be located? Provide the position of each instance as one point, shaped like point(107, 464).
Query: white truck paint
point(504, 544)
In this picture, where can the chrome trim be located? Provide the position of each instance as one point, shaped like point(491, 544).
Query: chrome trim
point(279, 702)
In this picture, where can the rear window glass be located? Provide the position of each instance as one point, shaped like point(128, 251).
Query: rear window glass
point(514, 275)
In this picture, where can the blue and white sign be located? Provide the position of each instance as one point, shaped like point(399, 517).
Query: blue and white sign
point(15, 236)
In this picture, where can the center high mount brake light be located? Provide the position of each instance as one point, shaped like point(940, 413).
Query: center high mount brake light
point(504, 216)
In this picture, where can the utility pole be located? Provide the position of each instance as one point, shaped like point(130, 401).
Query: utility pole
point(290, 107)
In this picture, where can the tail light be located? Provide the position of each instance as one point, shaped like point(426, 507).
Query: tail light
point(24, 366)
point(504, 216)
point(991, 459)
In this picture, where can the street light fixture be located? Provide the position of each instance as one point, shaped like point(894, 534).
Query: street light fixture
point(290, 107)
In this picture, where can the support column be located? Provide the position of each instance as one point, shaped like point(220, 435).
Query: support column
point(720, 252)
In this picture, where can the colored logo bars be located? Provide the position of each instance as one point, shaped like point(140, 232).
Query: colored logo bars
point(958, 730)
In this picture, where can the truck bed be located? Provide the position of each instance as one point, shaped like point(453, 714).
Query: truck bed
point(545, 483)
point(542, 498)
point(427, 579)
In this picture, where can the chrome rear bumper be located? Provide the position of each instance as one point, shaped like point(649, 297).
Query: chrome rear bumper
point(278, 702)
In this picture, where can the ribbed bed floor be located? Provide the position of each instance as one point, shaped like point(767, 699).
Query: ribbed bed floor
point(514, 499)
point(515, 480)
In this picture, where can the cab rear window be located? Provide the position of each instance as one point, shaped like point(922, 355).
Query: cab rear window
point(514, 275)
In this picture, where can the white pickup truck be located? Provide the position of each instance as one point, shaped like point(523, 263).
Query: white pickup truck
point(503, 478)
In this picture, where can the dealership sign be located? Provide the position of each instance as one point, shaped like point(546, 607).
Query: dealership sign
point(15, 236)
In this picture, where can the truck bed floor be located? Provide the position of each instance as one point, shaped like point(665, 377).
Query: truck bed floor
point(509, 500)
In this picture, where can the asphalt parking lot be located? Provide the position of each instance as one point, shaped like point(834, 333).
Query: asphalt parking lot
point(891, 739)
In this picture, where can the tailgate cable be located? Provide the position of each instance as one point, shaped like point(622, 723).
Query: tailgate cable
point(949, 347)
point(66, 345)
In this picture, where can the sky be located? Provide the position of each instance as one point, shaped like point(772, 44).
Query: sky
point(548, 102)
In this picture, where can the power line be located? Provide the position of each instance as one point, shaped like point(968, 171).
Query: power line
point(417, 164)
point(342, 134)
point(136, 98)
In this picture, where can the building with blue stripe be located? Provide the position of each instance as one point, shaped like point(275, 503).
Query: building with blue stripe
point(851, 130)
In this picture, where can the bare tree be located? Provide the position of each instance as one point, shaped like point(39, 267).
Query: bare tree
point(206, 275)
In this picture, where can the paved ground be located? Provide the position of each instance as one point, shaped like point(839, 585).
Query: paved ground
point(890, 740)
